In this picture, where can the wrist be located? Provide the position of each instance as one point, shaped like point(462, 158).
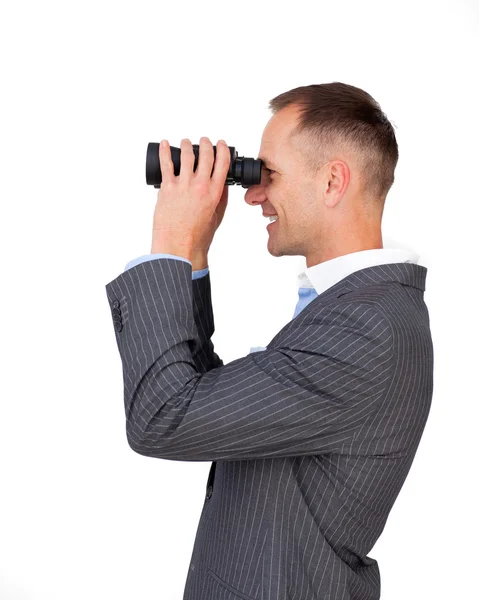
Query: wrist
point(199, 261)
point(165, 242)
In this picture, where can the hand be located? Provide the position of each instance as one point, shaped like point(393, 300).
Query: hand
point(191, 206)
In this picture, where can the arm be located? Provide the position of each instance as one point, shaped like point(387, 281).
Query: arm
point(309, 392)
point(205, 359)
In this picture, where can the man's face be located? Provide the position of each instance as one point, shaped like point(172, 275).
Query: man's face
point(286, 190)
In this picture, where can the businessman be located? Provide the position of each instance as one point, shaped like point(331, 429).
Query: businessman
point(311, 438)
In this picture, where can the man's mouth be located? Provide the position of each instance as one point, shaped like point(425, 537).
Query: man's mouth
point(272, 224)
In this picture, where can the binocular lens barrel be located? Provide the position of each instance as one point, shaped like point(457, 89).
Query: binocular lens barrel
point(242, 171)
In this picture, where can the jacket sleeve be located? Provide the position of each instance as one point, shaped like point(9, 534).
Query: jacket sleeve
point(205, 358)
point(309, 392)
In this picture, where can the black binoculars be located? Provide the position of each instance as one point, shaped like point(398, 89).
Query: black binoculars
point(242, 171)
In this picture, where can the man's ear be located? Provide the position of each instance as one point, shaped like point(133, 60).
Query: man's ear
point(336, 184)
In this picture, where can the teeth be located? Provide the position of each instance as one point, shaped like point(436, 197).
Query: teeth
point(273, 218)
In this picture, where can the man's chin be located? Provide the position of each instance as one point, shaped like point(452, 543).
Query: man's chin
point(273, 250)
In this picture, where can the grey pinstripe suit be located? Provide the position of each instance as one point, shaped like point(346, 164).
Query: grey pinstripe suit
point(311, 440)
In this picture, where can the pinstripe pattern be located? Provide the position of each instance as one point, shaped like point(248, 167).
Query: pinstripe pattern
point(311, 439)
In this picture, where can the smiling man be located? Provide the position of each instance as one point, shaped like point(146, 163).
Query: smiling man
point(326, 189)
point(311, 438)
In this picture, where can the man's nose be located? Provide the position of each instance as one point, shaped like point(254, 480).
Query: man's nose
point(256, 194)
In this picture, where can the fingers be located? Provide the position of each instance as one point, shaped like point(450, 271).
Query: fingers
point(205, 162)
point(222, 164)
point(187, 160)
point(205, 159)
point(166, 164)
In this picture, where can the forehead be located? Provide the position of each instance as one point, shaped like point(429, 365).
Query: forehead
point(275, 139)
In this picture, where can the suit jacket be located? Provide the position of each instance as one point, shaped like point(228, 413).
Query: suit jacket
point(311, 439)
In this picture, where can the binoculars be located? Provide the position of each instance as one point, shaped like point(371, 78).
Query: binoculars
point(242, 171)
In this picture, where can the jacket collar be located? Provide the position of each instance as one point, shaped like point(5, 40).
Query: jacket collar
point(323, 276)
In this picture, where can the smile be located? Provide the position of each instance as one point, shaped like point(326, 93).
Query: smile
point(268, 227)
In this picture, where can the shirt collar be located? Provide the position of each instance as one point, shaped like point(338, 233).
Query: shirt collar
point(322, 276)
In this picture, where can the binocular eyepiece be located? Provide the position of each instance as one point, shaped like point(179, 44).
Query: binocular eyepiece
point(242, 171)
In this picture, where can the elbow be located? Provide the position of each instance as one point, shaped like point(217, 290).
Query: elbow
point(138, 442)
point(138, 447)
point(145, 443)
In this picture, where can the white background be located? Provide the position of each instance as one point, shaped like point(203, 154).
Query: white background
point(85, 87)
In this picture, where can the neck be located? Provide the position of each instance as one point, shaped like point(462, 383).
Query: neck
point(346, 244)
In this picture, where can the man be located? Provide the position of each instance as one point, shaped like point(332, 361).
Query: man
point(311, 438)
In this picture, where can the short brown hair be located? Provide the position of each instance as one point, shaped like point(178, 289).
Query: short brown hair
point(337, 116)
